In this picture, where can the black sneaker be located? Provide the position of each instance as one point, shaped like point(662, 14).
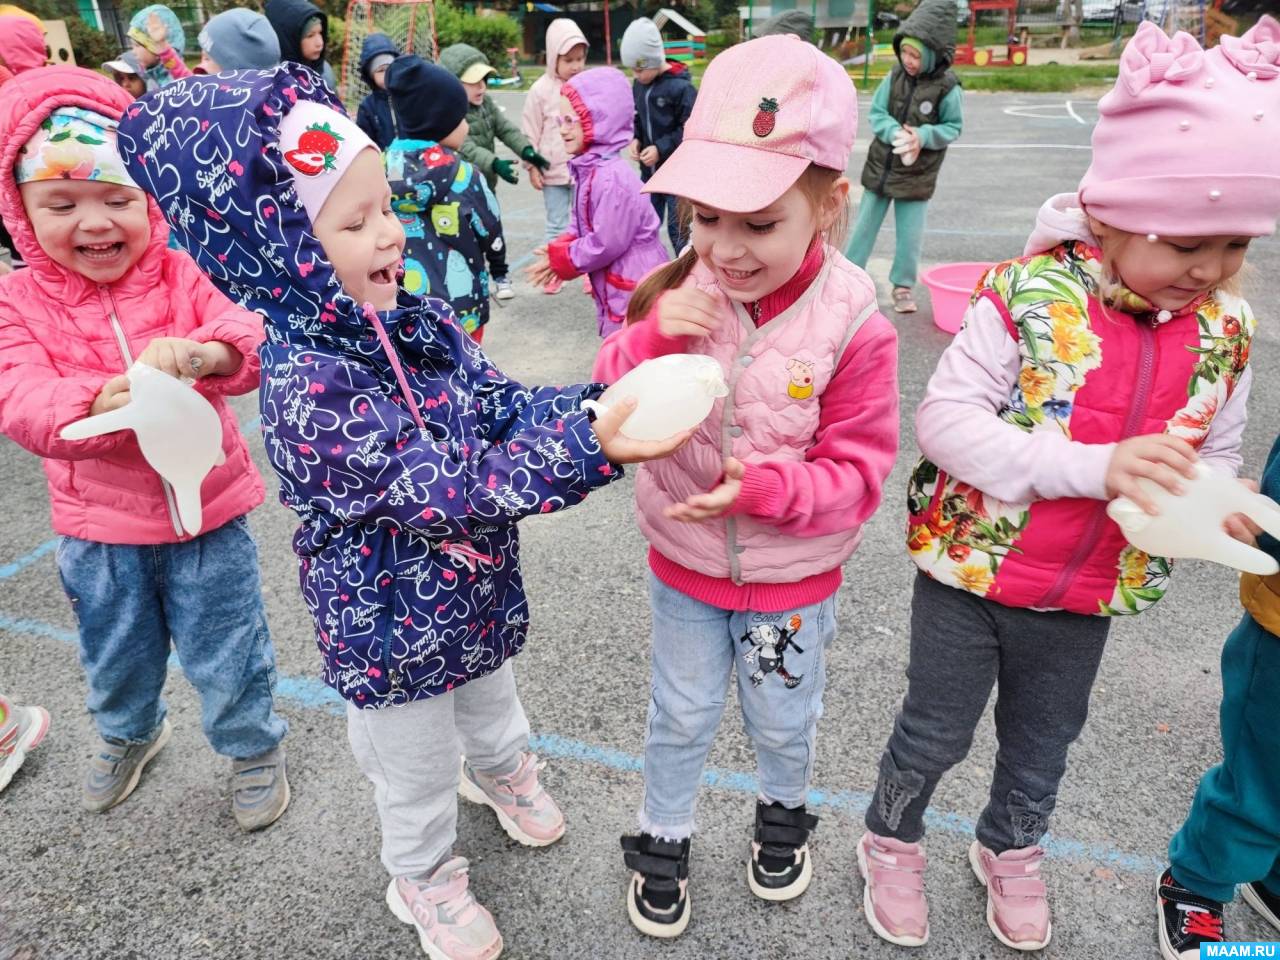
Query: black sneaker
point(1266, 903)
point(1186, 920)
point(780, 868)
point(658, 895)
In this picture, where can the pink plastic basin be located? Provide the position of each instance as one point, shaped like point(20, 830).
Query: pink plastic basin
point(951, 287)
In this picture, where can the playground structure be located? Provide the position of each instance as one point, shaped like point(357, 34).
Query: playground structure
point(1015, 48)
point(411, 24)
point(693, 45)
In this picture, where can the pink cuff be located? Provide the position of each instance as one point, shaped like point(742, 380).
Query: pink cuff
point(561, 263)
point(761, 490)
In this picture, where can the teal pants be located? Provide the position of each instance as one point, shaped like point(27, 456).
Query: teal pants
point(1232, 834)
point(908, 220)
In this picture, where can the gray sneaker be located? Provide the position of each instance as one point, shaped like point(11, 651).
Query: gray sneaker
point(259, 790)
point(115, 770)
point(21, 729)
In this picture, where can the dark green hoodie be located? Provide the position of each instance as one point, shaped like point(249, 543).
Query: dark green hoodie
point(916, 101)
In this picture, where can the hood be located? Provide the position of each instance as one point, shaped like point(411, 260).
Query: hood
point(604, 95)
point(225, 187)
point(563, 35)
point(933, 23)
point(21, 44)
point(175, 35)
point(25, 102)
point(795, 22)
point(288, 17)
point(458, 57)
point(1061, 219)
point(374, 45)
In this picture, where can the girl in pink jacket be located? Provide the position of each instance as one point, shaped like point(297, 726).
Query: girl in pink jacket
point(102, 292)
point(1113, 352)
point(750, 522)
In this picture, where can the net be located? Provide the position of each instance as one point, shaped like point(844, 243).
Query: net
point(411, 25)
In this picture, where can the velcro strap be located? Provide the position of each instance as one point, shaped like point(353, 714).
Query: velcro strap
point(1188, 898)
point(656, 858)
point(261, 777)
point(781, 816)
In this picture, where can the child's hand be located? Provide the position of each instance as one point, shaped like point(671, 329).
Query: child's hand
point(1239, 526)
point(1158, 457)
point(506, 170)
point(536, 180)
point(649, 156)
point(539, 272)
point(715, 503)
point(179, 357)
point(633, 150)
point(158, 32)
point(113, 396)
point(685, 312)
point(619, 448)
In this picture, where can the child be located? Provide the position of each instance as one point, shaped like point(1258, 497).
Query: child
point(158, 42)
point(376, 116)
point(1111, 352)
point(408, 457)
point(750, 523)
point(614, 234)
point(664, 98)
point(540, 122)
point(101, 291)
point(449, 215)
point(303, 31)
point(238, 39)
point(21, 46)
point(915, 113)
point(21, 730)
point(129, 75)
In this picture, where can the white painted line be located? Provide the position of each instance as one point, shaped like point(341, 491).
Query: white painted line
point(1019, 146)
point(1072, 110)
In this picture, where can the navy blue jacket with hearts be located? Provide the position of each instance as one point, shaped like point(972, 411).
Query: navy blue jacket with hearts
point(408, 495)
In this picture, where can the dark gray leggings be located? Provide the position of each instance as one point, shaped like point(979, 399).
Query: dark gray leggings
point(962, 645)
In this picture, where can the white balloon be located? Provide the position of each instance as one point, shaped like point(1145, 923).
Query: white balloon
point(673, 393)
point(1190, 525)
point(179, 433)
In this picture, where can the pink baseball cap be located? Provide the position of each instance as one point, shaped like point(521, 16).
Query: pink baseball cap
point(766, 109)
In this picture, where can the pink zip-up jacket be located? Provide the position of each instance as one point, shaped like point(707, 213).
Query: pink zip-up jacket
point(540, 119)
point(1024, 411)
point(812, 413)
point(62, 337)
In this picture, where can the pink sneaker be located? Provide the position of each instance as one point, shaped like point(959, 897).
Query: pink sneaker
point(524, 809)
point(450, 924)
point(893, 895)
point(553, 285)
point(1017, 904)
point(586, 284)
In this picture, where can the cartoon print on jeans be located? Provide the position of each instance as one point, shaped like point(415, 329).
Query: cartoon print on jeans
point(801, 373)
point(769, 644)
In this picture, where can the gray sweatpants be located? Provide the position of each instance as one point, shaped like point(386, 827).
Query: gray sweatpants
point(961, 645)
point(412, 754)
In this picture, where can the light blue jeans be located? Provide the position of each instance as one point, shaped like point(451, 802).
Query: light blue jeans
point(203, 597)
point(558, 199)
point(781, 667)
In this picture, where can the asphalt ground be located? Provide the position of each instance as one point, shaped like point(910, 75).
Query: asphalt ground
point(169, 875)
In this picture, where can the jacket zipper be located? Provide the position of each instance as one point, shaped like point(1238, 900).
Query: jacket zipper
point(1141, 400)
point(648, 115)
point(906, 112)
point(123, 343)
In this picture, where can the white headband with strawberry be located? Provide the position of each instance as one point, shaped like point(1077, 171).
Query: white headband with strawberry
point(318, 144)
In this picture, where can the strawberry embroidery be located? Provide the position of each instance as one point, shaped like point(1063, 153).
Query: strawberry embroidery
point(766, 116)
point(316, 152)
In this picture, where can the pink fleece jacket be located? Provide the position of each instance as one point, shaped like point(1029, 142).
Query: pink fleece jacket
point(839, 482)
point(62, 337)
point(540, 119)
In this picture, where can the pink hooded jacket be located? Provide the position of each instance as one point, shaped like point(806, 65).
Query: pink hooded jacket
point(62, 337)
point(21, 46)
point(540, 121)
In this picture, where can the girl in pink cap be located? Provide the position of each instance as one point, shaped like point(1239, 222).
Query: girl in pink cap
point(1113, 352)
point(750, 522)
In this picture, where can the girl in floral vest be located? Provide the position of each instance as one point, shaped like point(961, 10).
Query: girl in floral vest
point(1114, 351)
point(750, 523)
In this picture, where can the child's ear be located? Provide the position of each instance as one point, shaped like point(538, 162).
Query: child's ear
point(834, 204)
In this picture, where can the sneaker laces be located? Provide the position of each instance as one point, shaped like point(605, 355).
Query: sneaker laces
point(1198, 922)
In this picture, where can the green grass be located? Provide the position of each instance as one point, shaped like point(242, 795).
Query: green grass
point(1042, 78)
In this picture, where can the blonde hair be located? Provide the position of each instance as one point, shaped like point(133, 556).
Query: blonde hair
point(816, 183)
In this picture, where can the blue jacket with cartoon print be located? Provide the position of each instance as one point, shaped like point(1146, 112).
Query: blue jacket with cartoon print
point(451, 225)
point(406, 454)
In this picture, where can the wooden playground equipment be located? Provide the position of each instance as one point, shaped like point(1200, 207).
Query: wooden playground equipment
point(1012, 53)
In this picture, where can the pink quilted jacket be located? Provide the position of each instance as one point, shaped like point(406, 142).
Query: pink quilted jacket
point(62, 337)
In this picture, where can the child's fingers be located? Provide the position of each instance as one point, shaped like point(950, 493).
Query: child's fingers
point(1240, 527)
point(1175, 452)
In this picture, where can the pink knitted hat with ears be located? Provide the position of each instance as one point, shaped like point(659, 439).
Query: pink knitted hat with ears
point(1188, 141)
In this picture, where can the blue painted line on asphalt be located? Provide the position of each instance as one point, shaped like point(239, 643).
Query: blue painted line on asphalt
point(311, 693)
point(17, 566)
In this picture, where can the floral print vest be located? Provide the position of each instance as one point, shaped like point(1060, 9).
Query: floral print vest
point(1100, 373)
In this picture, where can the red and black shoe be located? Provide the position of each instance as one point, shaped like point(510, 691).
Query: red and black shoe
point(780, 867)
point(658, 895)
point(1266, 903)
point(1186, 920)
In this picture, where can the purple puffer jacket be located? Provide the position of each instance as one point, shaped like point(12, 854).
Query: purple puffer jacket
point(614, 234)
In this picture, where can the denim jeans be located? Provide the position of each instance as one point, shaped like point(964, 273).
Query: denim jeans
point(201, 597)
point(558, 199)
point(781, 666)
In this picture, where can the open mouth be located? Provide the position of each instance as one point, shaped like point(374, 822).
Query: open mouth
point(385, 274)
point(100, 252)
point(738, 278)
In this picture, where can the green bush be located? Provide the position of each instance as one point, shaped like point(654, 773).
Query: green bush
point(492, 36)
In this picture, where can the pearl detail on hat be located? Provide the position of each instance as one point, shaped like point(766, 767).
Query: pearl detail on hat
point(1209, 82)
point(1258, 115)
point(1152, 238)
point(1184, 125)
point(1251, 75)
point(1215, 194)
